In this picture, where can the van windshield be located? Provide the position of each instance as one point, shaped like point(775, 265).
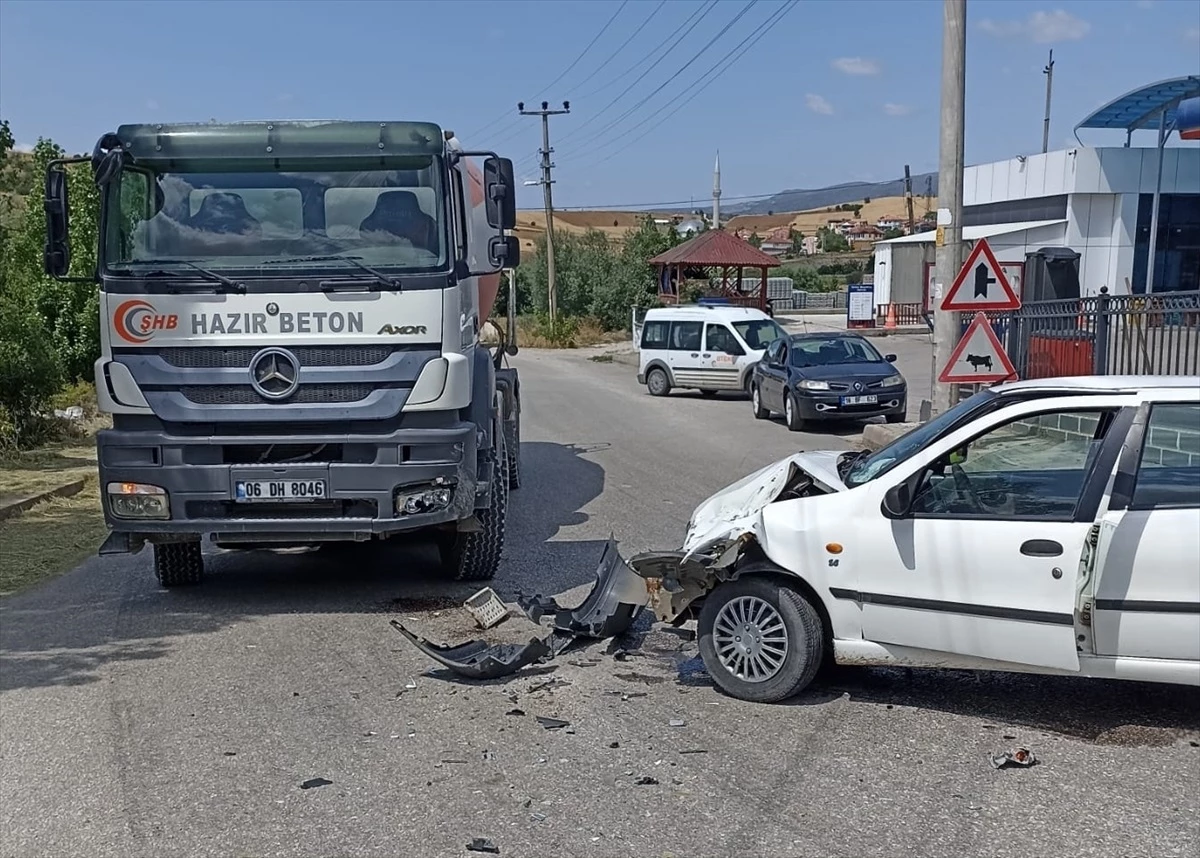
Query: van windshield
point(758, 333)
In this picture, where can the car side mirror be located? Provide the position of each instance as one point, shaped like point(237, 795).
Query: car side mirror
point(890, 358)
point(56, 255)
point(500, 193)
point(898, 500)
point(504, 251)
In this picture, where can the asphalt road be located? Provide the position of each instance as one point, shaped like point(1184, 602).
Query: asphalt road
point(139, 722)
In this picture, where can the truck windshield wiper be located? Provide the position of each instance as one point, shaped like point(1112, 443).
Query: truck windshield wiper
point(381, 278)
point(230, 285)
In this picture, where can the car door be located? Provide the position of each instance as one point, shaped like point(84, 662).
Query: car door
point(983, 559)
point(684, 353)
point(720, 357)
point(769, 371)
point(1146, 592)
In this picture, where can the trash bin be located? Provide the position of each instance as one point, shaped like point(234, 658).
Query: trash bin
point(1061, 352)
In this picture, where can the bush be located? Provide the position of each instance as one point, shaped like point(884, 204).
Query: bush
point(29, 374)
point(560, 332)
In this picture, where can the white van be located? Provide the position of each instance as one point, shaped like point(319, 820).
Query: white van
point(701, 347)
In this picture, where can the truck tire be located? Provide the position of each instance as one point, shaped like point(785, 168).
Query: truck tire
point(178, 564)
point(781, 644)
point(475, 556)
point(514, 458)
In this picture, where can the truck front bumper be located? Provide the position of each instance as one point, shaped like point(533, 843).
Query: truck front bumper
point(366, 480)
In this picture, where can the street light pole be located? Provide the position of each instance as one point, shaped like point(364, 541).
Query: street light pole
point(546, 113)
point(950, 192)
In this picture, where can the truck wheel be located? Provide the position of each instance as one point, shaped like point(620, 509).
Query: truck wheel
point(178, 564)
point(514, 458)
point(657, 382)
point(760, 640)
point(475, 556)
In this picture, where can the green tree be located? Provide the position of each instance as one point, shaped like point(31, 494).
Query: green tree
point(893, 232)
point(755, 239)
point(797, 240)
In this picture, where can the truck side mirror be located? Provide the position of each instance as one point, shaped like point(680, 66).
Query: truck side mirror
point(500, 193)
point(504, 251)
point(898, 501)
point(56, 255)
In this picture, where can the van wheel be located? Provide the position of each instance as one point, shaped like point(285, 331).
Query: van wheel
point(791, 413)
point(657, 382)
point(760, 413)
point(178, 564)
point(760, 640)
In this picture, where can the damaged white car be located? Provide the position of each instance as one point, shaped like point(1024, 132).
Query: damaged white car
point(1047, 526)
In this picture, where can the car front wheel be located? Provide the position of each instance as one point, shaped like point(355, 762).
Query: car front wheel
point(657, 382)
point(760, 413)
point(760, 640)
point(791, 413)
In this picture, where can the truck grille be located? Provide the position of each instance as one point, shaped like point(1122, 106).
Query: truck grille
point(240, 356)
point(306, 394)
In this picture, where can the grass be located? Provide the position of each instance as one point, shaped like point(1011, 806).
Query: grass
point(27, 473)
point(52, 538)
point(532, 333)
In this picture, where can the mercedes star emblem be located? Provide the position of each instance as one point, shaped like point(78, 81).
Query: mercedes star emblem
point(275, 373)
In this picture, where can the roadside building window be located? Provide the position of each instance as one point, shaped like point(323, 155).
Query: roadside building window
point(654, 335)
point(685, 336)
point(1032, 467)
point(1168, 474)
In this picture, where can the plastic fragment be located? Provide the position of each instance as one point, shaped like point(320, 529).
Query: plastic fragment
point(482, 844)
point(552, 723)
point(313, 783)
point(1019, 758)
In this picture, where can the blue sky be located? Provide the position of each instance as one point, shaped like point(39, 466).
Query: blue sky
point(831, 92)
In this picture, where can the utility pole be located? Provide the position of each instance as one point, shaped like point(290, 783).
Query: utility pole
point(950, 194)
point(912, 223)
point(546, 113)
point(1048, 71)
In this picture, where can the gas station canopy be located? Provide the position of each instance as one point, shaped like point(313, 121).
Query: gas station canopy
point(1144, 106)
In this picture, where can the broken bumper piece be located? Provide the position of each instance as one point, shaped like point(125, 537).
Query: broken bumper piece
point(675, 579)
point(609, 609)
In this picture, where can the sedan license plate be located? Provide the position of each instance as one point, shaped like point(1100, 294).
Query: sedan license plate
point(868, 399)
point(250, 491)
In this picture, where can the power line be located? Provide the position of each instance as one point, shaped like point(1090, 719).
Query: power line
point(646, 58)
point(564, 73)
point(702, 13)
point(718, 69)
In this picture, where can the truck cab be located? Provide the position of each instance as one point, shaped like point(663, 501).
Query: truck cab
point(290, 316)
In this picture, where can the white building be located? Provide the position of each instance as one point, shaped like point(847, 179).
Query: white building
point(1097, 202)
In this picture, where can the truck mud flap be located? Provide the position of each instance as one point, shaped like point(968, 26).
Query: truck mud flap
point(609, 609)
point(481, 660)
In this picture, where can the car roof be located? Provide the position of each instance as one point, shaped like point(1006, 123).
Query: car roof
point(701, 312)
point(1102, 383)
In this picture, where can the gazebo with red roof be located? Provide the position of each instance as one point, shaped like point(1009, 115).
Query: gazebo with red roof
point(714, 248)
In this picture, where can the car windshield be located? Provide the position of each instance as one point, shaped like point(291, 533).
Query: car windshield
point(388, 216)
point(867, 468)
point(833, 351)
point(758, 333)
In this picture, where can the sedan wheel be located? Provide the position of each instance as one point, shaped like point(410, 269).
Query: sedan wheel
point(750, 639)
point(791, 413)
point(760, 413)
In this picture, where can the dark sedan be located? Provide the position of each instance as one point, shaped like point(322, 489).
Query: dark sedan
point(827, 376)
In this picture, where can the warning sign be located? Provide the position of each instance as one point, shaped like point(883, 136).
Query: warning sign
point(978, 357)
point(981, 284)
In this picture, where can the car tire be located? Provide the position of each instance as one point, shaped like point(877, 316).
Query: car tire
point(475, 555)
point(895, 417)
point(178, 564)
point(758, 673)
point(657, 382)
point(791, 413)
point(760, 413)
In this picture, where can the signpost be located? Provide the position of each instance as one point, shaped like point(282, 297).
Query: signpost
point(860, 305)
point(979, 358)
point(981, 284)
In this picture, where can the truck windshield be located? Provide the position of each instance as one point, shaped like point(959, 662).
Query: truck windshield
point(865, 468)
point(264, 221)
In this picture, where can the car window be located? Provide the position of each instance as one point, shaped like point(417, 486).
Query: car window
point(685, 336)
point(1031, 467)
point(758, 333)
point(718, 338)
point(833, 351)
point(1168, 473)
point(654, 335)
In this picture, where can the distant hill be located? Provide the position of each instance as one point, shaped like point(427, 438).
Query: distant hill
point(802, 200)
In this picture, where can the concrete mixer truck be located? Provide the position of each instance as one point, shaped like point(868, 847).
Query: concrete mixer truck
point(290, 326)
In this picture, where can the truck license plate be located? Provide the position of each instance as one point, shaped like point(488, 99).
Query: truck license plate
point(869, 399)
point(248, 491)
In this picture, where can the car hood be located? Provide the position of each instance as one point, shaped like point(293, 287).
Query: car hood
point(737, 508)
point(858, 371)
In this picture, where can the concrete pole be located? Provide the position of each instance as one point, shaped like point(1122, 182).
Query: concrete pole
point(950, 192)
point(551, 291)
point(1048, 71)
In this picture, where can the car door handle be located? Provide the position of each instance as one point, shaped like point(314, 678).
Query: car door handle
point(1041, 548)
point(695, 354)
point(706, 354)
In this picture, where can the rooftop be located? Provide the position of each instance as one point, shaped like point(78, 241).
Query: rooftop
point(716, 247)
point(1141, 107)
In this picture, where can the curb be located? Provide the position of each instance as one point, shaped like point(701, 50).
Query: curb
point(9, 509)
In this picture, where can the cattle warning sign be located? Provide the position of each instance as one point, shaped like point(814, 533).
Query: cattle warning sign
point(978, 357)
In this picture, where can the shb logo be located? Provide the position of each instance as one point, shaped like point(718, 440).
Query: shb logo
point(137, 321)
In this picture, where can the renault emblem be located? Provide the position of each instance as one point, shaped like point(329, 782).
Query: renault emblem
point(275, 373)
point(858, 385)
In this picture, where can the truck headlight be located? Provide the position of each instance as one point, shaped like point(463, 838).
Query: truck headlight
point(138, 500)
point(810, 384)
point(414, 500)
point(892, 381)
